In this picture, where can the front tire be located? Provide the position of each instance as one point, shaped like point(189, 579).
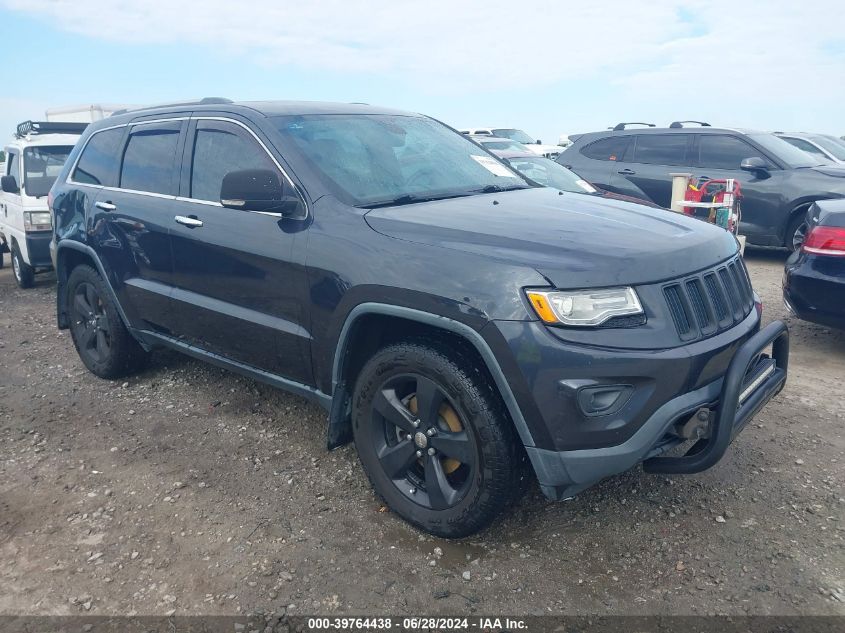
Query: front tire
point(435, 440)
point(101, 340)
point(24, 273)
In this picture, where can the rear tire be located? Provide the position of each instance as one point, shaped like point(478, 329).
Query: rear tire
point(103, 343)
point(796, 232)
point(24, 273)
point(479, 466)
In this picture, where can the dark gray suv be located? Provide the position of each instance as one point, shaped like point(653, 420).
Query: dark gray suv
point(461, 324)
point(779, 182)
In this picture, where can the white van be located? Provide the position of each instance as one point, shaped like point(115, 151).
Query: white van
point(33, 161)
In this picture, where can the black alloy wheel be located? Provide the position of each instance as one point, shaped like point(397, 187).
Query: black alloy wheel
point(101, 339)
point(421, 443)
point(435, 438)
point(89, 323)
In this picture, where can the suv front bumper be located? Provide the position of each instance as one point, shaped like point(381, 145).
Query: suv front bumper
point(750, 381)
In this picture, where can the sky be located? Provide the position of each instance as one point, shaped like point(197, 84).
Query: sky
point(548, 67)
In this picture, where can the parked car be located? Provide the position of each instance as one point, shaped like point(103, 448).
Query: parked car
point(458, 322)
point(826, 148)
point(34, 159)
point(564, 141)
point(494, 143)
point(779, 181)
point(536, 146)
point(548, 173)
point(544, 171)
point(814, 279)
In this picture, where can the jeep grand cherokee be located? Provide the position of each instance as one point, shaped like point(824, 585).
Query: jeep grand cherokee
point(464, 326)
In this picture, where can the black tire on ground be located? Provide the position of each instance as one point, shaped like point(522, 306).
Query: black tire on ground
point(415, 397)
point(101, 340)
point(24, 273)
point(1, 256)
point(795, 232)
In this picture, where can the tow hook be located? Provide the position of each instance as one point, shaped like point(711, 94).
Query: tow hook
point(698, 426)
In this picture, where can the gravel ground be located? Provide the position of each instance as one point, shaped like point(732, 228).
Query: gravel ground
point(191, 490)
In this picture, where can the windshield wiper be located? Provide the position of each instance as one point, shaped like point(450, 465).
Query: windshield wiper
point(409, 199)
point(499, 188)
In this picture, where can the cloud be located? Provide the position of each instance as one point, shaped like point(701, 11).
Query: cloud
point(495, 42)
point(767, 52)
point(713, 50)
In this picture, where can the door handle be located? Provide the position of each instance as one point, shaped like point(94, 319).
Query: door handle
point(105, 206)
point(190, 221)
point(626, 172)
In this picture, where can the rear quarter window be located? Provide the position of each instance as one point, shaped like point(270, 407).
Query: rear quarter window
point(610, 148)
point(98, 162)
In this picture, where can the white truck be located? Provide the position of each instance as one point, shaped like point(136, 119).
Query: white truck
point(84, 113)
point(34, 159)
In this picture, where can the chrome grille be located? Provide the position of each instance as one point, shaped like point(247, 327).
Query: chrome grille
point(710, 301)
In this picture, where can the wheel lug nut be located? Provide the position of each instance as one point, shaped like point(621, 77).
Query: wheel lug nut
point(409, 437)
point(431, 451)
point(419, 453)
point(416, 423)
point(430, 432)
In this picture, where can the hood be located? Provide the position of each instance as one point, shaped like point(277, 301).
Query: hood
point(574, 240)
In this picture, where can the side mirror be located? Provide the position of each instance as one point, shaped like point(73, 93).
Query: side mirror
point(9, 184)
point(754, 164)
point(257, 190)
point(539, 142)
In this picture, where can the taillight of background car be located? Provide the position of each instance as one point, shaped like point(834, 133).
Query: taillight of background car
point(825, 240)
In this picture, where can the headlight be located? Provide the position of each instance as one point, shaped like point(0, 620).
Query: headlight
point(37, 221)
point(584, 307)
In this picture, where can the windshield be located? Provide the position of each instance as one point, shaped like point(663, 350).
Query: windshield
point(515, 135)
point(375, 159)
point(42, 166)
point(503, 145)
point(789, 154)
point(834, 148)
point(550, 174)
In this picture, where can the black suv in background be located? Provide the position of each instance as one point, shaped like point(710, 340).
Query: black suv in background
point(459, 322)
point(779, 181)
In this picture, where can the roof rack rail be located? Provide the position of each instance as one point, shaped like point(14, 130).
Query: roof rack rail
point(676, 124)
point(203, 101)
point(49, 127)
point(621, 126)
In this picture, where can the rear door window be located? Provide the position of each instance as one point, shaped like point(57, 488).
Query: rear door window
point(610, 148)
point(661, 149)
point(221, 147)
point(721, 151)
point(150, 157)
point(98, 163)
